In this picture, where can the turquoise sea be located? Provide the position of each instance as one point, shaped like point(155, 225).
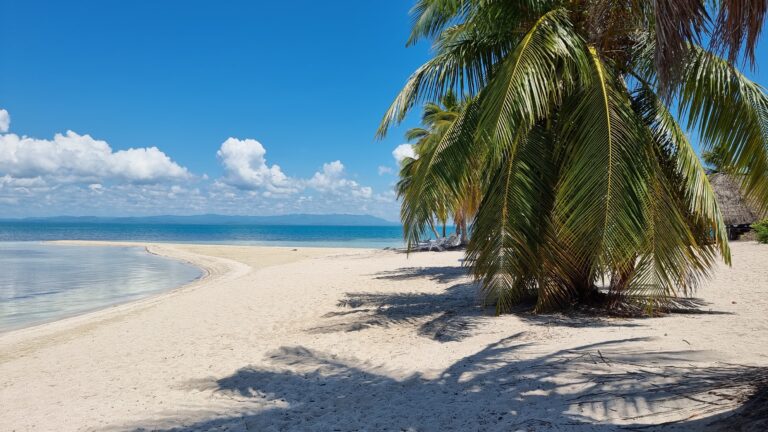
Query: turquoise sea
point(42, 282)
point(266, 235)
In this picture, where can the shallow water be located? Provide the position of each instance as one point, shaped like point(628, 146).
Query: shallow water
point(41, 282)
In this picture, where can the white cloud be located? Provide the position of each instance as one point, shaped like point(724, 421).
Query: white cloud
point(73, 158)
point(332, 180)
point(329, 178)
point(79, 175)
point(246, 168)
point(197, 197)
point(385, 170)
point(8, 181)
point(388, 197)
point(5, 121)
point(403, 151)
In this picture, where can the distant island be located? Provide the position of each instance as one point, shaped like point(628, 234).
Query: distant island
point(215, 219)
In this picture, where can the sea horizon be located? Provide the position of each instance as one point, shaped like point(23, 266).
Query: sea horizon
point(289, 235)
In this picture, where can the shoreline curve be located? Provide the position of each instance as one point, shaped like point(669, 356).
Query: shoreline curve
point(212, 269)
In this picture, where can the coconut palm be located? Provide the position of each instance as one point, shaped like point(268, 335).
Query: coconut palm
point(587, 173)
point(437, 200)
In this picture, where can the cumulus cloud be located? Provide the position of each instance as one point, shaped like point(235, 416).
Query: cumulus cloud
point(5, 121)
point(193, 197)
point(332, 179)
point(80, 175)
point(77, 174)
point(7, 181)
point(403, 151)
point(329, 178)
point(385, 170)
point(71, 157)
point(246, 168)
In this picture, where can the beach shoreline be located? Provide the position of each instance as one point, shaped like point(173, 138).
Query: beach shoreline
point(208, 268)
point(274, 338)
point(148, 248)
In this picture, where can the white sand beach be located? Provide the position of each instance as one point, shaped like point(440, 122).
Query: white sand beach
point(284, 339)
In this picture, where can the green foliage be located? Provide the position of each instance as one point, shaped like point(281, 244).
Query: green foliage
point(716, 160)
point(426, 193)
point(582, 173)
point(761, 228)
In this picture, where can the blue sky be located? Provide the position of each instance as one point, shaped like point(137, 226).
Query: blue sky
point(308, 80)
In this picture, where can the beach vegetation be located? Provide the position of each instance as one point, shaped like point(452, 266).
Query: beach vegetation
point(434, 200)
point(570, 118)
point(761, 229)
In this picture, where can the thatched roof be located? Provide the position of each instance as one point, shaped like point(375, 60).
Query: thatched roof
point(735, 208)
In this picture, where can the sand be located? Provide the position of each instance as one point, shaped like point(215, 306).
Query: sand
point(276, 339)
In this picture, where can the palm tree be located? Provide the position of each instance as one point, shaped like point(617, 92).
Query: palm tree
point(714, 160)
point(437, 200)
point(587, 173)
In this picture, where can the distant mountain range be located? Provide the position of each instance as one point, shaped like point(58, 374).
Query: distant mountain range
point(214, 219)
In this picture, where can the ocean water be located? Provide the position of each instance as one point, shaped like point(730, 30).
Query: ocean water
point(265, 235)
point(42, 282)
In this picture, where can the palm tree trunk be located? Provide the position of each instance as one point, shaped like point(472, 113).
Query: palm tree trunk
point(463, 232)
point(584, 284)
point(620, 279)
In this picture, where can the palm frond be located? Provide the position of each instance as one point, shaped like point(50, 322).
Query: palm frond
point(600, 196)
point(431, 16)
point(529, 83)
point(738, 27)
point(689, 173)
point(679, 246)
point(678, 23)
point(508, 233)
point(438, 177)
point(462, 68)
point(730, 113)
point(467, 52)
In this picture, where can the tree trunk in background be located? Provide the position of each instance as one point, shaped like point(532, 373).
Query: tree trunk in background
point(463, 232)
point(621, 277)
point(584, 284)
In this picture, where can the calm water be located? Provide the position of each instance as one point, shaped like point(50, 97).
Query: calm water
point(43, 282)
point(326, 236)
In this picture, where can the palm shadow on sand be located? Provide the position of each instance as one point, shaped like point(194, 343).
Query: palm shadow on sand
point(298, 389)
point(456, 312)
point(496, 389)
point(450, 315)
